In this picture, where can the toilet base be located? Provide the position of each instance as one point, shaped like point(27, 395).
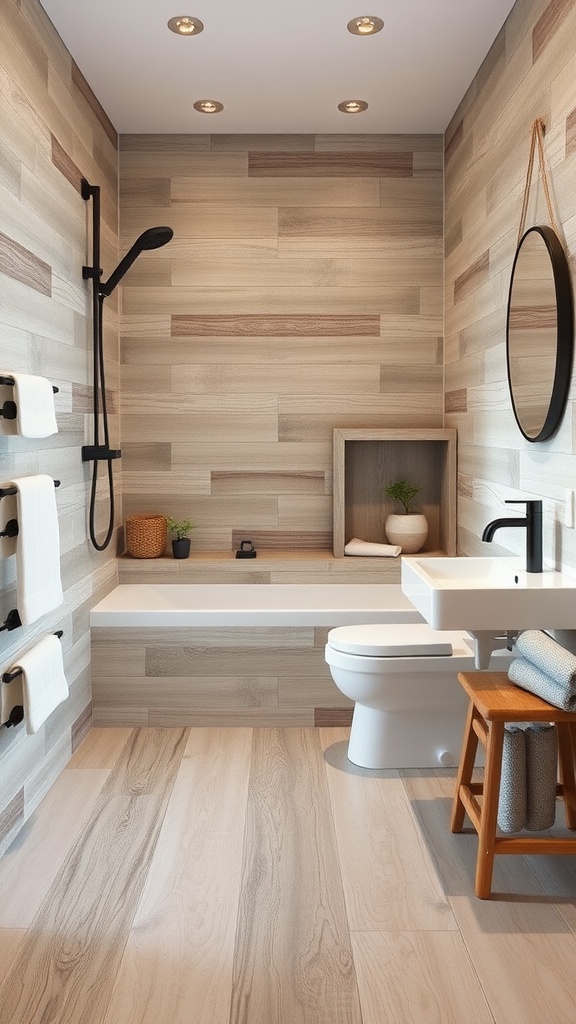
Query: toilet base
point(425, 737)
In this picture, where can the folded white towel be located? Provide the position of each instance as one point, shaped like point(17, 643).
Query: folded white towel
point(529, 677)
point(44, 684)
point(8, 511)
point(38, 583)
point(11, 696)
point(540, 649)
point(366, 547)
point(35, 416)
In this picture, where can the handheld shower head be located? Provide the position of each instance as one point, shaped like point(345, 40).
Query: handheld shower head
point(152, 238)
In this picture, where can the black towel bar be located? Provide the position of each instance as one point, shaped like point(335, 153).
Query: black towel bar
point(5, 491)
point(10, 382)
point(7, 677)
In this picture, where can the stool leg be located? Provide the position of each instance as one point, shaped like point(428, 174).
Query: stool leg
point(467, 757)
point(489, 815)
point(566, 764)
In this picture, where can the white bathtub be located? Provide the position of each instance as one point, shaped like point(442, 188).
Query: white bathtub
point(286, 604)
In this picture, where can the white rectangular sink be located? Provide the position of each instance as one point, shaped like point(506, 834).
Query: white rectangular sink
point(488, 594)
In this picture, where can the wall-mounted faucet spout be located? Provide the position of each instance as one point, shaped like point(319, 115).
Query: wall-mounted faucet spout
point(532, 523)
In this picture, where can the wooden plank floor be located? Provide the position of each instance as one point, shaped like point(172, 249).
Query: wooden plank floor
point(239, 876)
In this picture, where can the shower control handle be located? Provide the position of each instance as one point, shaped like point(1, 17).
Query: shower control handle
point(99, 453)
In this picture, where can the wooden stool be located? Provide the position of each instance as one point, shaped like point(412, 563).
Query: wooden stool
point(494, 700)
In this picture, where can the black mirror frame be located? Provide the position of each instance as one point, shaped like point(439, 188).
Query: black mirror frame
point(564, 333)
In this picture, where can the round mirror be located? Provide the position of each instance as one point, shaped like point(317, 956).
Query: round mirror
point(539, 333)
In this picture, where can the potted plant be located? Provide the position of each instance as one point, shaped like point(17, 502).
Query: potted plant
point(408, 529)
point(181, 540)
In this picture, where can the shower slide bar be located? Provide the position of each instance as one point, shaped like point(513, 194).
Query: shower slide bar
point(9, 410)
point(17, 714)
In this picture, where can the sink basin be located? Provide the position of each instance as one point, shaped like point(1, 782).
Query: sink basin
point(493, 594)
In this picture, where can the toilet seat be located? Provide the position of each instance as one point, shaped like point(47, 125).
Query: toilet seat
point(390, 640)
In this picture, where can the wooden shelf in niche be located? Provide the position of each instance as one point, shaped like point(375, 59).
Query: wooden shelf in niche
point(365, 461)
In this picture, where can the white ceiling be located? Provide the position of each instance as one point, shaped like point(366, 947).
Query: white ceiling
point(279, 67)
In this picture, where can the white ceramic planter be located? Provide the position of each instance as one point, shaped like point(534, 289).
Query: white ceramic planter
point(410, 531)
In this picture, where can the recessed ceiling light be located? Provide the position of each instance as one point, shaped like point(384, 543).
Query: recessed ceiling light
point(183, 25)
point(208, 106)
point(365, 26)
point(353, 106)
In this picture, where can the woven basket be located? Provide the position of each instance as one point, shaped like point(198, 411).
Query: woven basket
point(146, 536)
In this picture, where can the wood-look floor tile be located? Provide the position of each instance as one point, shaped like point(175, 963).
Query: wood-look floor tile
point(416, 977)
point(177, 966)
point(293, 961)
point(390, 880)
point(65, 966)
point(100, 749)
point(32, 862)
point(10, 939)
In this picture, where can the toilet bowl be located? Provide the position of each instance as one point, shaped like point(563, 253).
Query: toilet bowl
point(409, 709)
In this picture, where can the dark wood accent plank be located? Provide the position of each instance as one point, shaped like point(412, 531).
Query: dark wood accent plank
point(293, 959)
point(333, 718)
point(11, 814)
point(456, 401)
point(24, 266)
point(571, 132)
point(274, 326)
point(480, 267)
point(74, 946)
point(330, 165)
point(548, 24)
point(97, 109)
point(65, 164)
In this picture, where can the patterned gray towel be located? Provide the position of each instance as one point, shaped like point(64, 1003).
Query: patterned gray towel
point(512, 801)
point(541, 773)
point(529, 677)
point(552, 659)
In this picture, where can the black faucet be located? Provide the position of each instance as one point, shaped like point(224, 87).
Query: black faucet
point(533, 525)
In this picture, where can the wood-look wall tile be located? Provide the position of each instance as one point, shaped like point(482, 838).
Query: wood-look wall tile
point(152, 457)
point(11, 815)
point(204, 220)
point(356, 222)
point(144, 191)
point(64, 162)
point(343, 165)
point(259, 324)
point(332, 717)
point(407, 378)
point(571, 132)
point(165, 145)
point(271, 378)
point(475, 274)
point(184, 163)
point(267, 143)
point(84, 90)
point(265, 482)
point(456, 401)
point(341, 192)
point(285, 539)
point(19, 263)
point(548, 24)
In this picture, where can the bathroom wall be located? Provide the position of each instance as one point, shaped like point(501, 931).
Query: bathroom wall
point(52, 131)
point(530, 72)
point(302, 291)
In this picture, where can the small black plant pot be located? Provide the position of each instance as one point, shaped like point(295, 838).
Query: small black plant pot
point(181, 547)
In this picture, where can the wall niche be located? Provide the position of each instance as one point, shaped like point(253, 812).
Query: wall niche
point(365, 461)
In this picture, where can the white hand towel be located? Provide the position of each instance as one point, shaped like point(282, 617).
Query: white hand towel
point(366, 547)
point(36, 416)
point(11, 694)
point(38, 583)
point(8, 511)
point(44, 684)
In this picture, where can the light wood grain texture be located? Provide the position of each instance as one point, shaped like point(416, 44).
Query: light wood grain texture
point(280, 326)
point(185, 923)
point(24, 266)
point(291, 967)
point(379, 165)
point(129, 812)
point(402, 976)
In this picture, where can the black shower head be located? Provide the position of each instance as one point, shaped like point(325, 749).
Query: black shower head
point(152, 238)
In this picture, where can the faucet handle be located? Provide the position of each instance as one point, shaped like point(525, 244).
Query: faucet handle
point(532, 504)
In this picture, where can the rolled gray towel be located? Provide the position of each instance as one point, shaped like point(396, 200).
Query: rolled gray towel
point(512, 801)
point(541, 773)
point(529, 677)
point(540, 649)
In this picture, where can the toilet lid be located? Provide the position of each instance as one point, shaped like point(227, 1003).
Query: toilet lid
point(390, 640)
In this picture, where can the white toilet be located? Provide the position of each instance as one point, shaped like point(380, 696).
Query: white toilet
point(410, 709)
